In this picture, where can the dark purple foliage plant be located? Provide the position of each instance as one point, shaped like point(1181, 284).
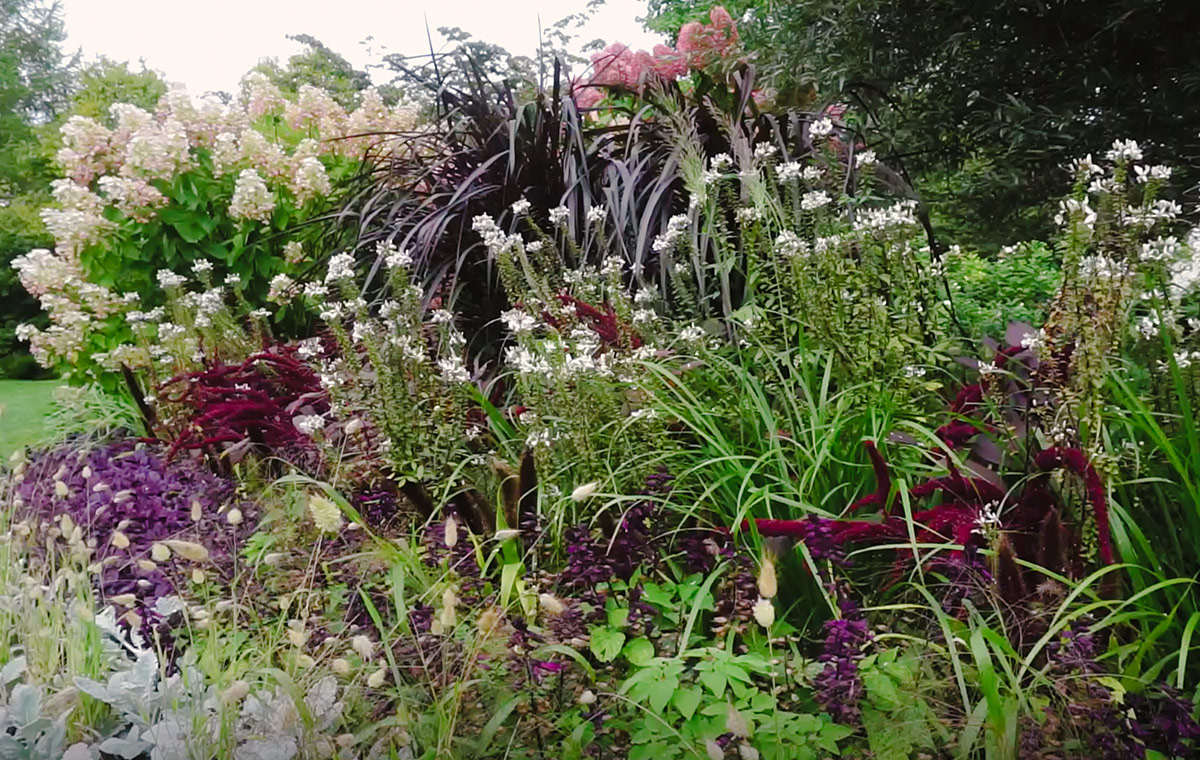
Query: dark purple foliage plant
point(131, 504)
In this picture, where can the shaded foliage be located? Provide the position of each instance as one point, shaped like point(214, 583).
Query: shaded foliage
point(985, 101)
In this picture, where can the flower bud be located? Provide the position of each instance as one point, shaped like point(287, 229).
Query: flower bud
point(363, 646)
point(236, 692)
point(551, 604)
point(450, 533)
point(376, 679)
point(735, 723)
point(585, 491)
point(764, 612)
point(588, 697)
point(189, 550)
point(768, 587)
point(713, 750)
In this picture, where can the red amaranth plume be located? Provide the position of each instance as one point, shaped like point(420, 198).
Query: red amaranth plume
point(957, 434)
point(1075, 461)
point(254, 401)
point(883, 482)
point(970, 490)
point(605, 323)
point(968, 399)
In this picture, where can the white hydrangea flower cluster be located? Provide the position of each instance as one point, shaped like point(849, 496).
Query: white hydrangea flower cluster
point(251, 198)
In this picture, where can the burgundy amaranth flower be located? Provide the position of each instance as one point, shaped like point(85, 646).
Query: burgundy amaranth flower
point(604, 322)
point(233, 407)
point(1075, 461)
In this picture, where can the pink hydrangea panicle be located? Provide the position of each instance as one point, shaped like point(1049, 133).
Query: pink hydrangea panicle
point(586, 94)
point(691, 37)
point(157, 151)
point(668, 63)
point(41, 271)
point(251, 198)
point(129, 120)
point(264, 156)
point(226, 153)
point(315, 109)
point(644, 65)
point(705, 44)
point(261, 95)
point(85, 149)
point(723, 25)
point(615, 65)
point(134, 197)
point(212, 116)
point(310, 180)
point(79, 222)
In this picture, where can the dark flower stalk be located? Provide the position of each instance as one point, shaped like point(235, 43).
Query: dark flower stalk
point(838, 687)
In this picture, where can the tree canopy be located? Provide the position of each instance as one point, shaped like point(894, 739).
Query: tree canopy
point(987, 100)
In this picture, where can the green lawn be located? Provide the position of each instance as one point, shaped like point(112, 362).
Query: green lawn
point(23, 408)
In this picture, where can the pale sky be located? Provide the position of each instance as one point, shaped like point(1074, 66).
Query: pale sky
point(210, 44)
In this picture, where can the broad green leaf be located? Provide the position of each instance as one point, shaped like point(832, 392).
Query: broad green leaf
point(713, 680)
point(639, 652)
point(606, 643)
point(881, 689)
point(686, 700)
point(618, 617)
point(660, 692)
